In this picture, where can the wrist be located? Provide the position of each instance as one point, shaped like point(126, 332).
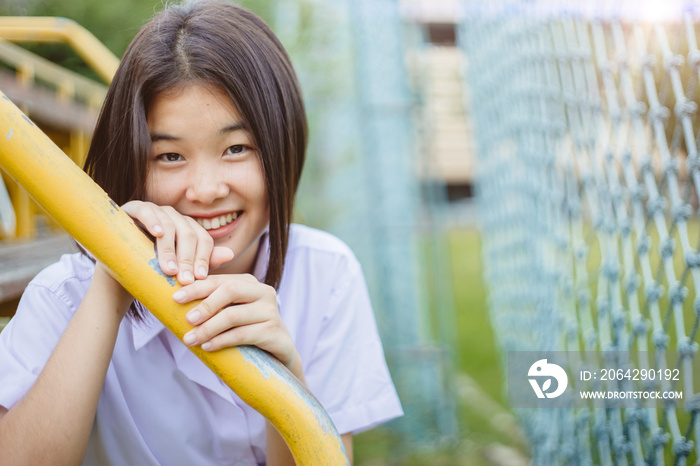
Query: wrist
point(111, 290)
point(295, 367)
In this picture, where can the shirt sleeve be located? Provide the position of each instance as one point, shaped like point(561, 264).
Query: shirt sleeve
point(28, 340)
point(347, 370)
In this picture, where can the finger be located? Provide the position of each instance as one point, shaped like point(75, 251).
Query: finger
point(221, 298)
point(220, 255)
point(165, 246)
point(234, 337)
point(239, 288)
point(184, 244)
point(144, 215)
point(203, 249)
point(228, 318)
point(260, 334)
point(151, 217)
point(265, 335)
point(236, 316)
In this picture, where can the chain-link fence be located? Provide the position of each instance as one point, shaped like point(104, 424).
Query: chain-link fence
point(588, 190)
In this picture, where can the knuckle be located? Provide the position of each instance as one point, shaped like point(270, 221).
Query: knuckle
point(206, 308)
point(170, 210)
point(202, 262)
point(186, 262)
point(269, 293)
point(187, 234)
point(194, 223)
point(205, 245)
point(166, 222)
point(206, 238)
point(241, 335)
point(230, 338)
point(230, 286)
point(230, 318)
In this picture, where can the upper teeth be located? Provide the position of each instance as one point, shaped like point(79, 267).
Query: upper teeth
point(217, 222)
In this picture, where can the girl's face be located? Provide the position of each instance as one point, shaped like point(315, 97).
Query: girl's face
point(205, 165)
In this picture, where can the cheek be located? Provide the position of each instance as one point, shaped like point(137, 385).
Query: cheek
point(252, 184)
point(158, 190)
point(149, 188)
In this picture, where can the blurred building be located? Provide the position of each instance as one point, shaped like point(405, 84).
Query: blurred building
point(437, 65)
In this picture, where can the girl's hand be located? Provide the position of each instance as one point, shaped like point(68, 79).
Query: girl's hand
point(184, 247)
point(238, 310)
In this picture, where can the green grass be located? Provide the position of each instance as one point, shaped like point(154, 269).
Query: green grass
point(488, 433)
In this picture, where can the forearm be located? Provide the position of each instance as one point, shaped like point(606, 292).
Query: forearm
point(52, 423)
point(278, 453)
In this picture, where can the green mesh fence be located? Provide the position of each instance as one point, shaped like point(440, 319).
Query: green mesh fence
point(588, 179)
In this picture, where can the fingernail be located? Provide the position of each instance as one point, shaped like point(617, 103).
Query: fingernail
point(157, 229)
point(193, 317)
point(202, 272)
point(179, 295)
point(172, 265)
point(206, 346)
point(187, 276)
point(189, 339)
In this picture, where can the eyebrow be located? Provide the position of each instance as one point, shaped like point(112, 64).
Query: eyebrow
point(228, 129)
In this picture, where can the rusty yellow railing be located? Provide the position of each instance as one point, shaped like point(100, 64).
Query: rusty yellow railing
point(68, 84)
point(87, 213)
point(62, 30)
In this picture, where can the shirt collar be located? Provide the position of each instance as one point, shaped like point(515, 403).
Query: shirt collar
point(145, 330)
point(263, 257)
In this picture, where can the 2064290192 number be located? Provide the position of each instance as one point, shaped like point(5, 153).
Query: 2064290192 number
point(639, 374)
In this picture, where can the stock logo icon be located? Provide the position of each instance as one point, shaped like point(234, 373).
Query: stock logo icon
point(541, 370)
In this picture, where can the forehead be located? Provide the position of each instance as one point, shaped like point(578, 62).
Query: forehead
point(190, 107)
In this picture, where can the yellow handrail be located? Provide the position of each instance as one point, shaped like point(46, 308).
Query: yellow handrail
point(67, 31)
point(89, 91)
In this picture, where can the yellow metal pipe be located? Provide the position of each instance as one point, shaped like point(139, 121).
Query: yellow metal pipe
point(38, 68)
point(47, 29)
point(81, 207)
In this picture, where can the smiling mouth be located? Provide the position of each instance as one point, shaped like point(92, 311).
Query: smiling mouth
point(220, 221)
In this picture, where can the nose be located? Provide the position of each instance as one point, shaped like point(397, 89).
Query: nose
point(206, 185)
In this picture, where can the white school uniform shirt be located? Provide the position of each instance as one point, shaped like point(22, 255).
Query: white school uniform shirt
point(160, 405)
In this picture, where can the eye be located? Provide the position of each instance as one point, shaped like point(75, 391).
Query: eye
point(170, 157)
point(236, 150)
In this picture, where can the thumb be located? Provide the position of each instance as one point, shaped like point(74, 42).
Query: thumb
point(219, 255)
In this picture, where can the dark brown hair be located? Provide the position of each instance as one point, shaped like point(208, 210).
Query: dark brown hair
point(210, 43)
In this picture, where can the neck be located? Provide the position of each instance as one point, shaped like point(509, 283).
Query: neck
point(244, 262)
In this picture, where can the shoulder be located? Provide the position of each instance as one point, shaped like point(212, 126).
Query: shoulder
point(68, 279)
point(320, 271)
point(308, 244)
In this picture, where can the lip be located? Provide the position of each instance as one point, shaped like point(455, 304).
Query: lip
point(224, 230)
point(210, 215)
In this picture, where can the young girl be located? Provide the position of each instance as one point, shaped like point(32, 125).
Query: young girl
point(201, 139)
